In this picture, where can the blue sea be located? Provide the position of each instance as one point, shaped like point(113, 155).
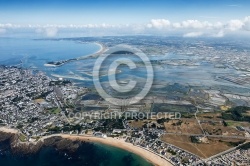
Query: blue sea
point(33, 54)
point(88, 154)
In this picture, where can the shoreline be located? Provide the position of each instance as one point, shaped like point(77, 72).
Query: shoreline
point(120, 143)
point(154, 159)
point(101, 50)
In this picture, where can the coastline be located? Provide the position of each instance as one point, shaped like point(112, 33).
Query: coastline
point(119, 143)
point(101, 50)
point(9, 130)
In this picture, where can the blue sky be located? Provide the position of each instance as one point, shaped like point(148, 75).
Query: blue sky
point(128, 13)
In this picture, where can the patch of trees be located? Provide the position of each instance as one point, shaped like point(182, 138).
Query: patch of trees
point(55, 129)
point(113, 124)
point(107, 125)
point(233, 144)
point(194, 139)
point(171, 151)
point(177, 123)
point(66, 128)
point(19, 126)
point(245, 146)
point(236, 114)
point(224, 123)
point(162, 120)
point(153, 125)
point(72, 128)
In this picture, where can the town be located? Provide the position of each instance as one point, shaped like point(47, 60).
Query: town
point(39, 106)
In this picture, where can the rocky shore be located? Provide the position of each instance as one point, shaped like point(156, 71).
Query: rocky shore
point(30, 147)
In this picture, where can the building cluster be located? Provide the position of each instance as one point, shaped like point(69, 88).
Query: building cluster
point(30, 103)
point(149, 139)
point(236, 157)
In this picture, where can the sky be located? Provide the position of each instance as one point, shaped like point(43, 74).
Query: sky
point(187, 18)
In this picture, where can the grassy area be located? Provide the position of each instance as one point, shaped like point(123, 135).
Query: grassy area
point(231, 123)
point(23, 138)
point(186, 125)
point(54, 111)
point(137, 124)
point(204, 150)
point(236, 123)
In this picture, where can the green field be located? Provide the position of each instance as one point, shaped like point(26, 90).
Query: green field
point(54, 111)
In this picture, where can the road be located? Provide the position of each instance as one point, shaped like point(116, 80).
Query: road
point(214, 136)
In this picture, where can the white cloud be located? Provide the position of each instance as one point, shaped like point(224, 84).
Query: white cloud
point(234, 25)
point(193, 34)
point(187, 24)
point(194, 24)
point(177, 25)
point(195, 28)
point(218, 25)
point(189, 28)
point(6, 25)
point(246, 25)
point(159, 23)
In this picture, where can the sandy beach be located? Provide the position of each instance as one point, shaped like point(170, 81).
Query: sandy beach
point(102, 47)
point(96, 54)
point(119, 143)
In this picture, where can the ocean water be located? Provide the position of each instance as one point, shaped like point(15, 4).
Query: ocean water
point(88, 154)
point(31, 50)
point(33, 54)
